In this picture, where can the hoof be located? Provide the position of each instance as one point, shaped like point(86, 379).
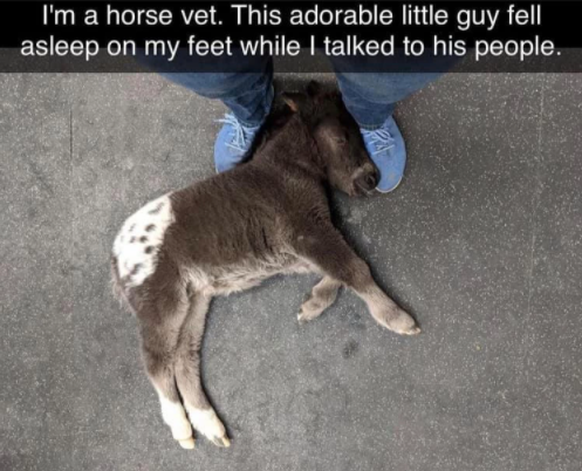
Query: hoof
point(188, 443)
point(223, 442)
point(307, 314)
point(414, 331)
point(302, 318)
point(401, 323)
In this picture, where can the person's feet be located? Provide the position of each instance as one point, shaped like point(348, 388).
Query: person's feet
point(233, 142)
point(386, 148)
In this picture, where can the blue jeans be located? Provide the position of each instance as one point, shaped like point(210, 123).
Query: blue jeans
point(369, 97)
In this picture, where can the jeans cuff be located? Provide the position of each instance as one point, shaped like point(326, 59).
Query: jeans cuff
point(268, 103)
point(373, 127)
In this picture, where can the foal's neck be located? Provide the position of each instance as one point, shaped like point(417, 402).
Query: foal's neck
point(293, 146)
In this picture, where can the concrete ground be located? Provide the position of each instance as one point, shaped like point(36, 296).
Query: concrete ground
point(482, 242)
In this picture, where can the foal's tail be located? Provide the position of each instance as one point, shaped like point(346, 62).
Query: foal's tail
point(117, 286)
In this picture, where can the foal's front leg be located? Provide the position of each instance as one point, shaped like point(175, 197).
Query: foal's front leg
point(321, 297)
point(325, 247)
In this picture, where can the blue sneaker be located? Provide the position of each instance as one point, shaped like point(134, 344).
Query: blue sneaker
point(233, 142)
point(386, 148)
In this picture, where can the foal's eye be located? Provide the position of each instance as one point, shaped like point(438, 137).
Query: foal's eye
point(342, 140)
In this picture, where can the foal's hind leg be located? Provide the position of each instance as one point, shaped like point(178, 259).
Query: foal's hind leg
point(160, 320)
point(200, 412)
point(161, 375)
point(321, 297)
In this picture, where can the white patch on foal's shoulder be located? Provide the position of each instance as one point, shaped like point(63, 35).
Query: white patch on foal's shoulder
point(137, 245)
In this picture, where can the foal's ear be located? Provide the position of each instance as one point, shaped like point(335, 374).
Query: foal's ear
point(294, 100)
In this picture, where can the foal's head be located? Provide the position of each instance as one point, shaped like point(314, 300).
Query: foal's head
point(341, 148)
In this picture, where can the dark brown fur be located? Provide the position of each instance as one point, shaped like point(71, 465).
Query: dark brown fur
point(268, 216)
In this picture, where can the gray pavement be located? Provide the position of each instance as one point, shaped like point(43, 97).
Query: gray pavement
point(482, 242)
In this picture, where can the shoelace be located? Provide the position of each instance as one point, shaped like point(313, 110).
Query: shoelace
point(381, 138)
point(241, 134)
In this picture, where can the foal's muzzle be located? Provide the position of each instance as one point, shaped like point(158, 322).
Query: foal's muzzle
point(367, 182)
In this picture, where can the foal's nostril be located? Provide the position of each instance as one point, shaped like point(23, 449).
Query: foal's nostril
point(367, 180)
point(372, 181)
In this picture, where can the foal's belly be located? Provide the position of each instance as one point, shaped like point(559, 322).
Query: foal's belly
point(229, 279)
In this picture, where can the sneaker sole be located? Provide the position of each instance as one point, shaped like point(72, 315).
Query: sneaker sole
point(391, 189)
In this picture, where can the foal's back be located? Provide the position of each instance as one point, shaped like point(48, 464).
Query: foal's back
point(228, 232)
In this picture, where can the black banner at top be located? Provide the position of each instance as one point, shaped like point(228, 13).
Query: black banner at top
point(237, 35)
